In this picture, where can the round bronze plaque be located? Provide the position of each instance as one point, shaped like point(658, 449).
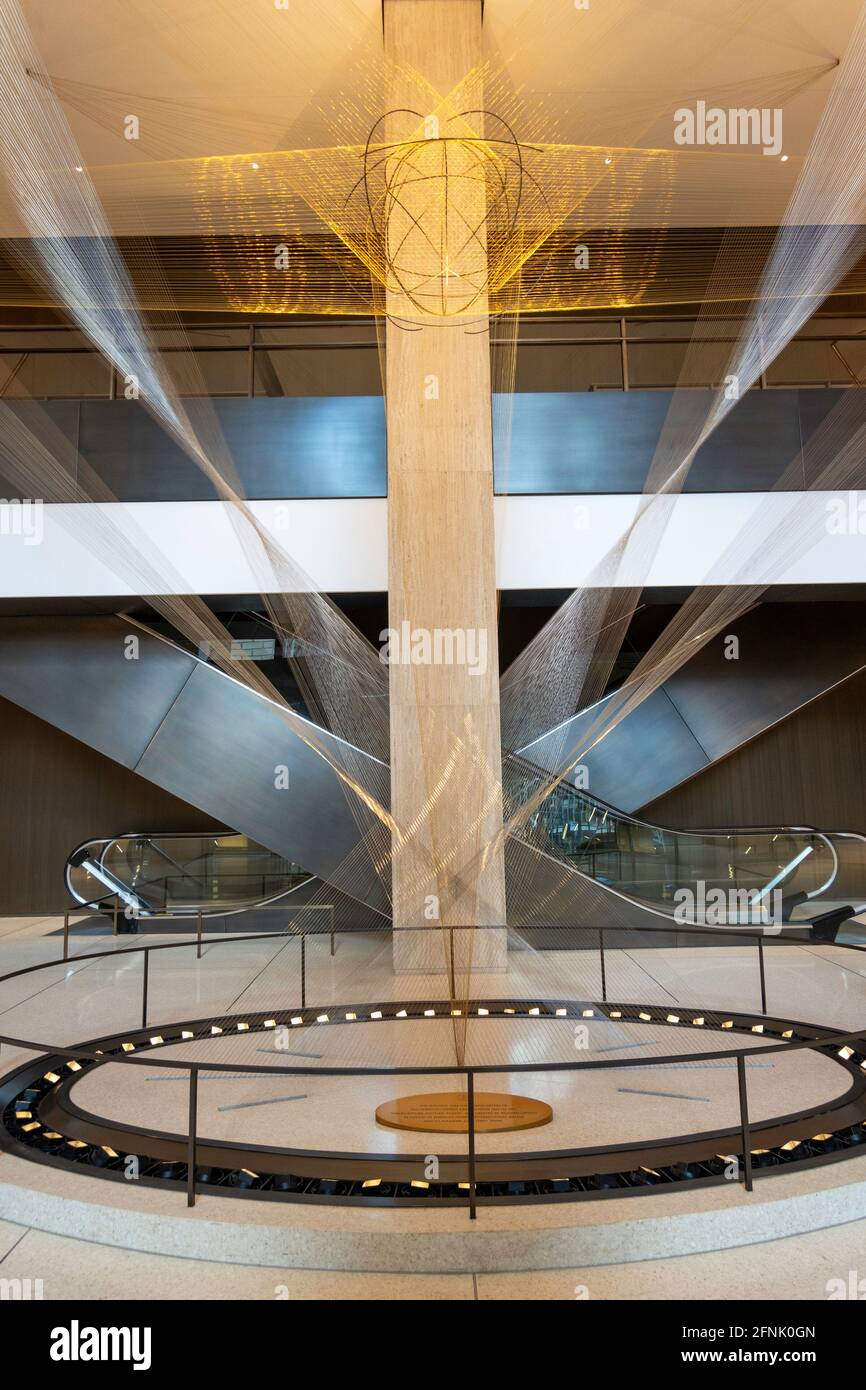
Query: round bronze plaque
point(445, 1112)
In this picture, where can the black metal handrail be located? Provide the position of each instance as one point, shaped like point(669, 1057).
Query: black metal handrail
point(826, 1039)
point(621, 338)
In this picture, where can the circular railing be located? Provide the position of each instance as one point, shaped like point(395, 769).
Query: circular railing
point(468, 1179)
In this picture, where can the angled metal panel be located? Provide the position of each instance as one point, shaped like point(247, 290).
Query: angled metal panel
point(194, 731)
point(219, 747)
point(789, 654)
point(74, 673)
point(650, 747)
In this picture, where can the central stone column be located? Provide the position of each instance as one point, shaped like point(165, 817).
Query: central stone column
point(446, 765)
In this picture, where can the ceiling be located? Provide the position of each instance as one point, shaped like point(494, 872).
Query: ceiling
point(300, 72)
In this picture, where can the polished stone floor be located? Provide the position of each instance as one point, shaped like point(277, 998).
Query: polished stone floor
point(87, 998)
point(799, 1268)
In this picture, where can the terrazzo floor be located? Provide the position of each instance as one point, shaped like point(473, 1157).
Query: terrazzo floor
point(87, 997)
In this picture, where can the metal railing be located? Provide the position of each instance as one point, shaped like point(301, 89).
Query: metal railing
point(191, 1139)
point(628, 337)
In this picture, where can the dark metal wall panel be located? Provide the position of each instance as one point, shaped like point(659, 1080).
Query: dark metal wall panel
point(46, 419)
point(292, 447)
point(561, 442)
point(584, 442)
point(603, 442)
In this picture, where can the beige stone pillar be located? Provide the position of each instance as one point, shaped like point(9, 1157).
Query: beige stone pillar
point(444, 679)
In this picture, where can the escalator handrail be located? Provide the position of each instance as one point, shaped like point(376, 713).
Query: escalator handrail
point(532, 770)
point(108, 898)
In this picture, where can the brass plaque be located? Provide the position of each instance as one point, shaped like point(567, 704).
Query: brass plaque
point(445, 1112)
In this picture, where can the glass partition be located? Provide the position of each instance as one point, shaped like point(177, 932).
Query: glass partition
point(181, 874)
point(747, 875)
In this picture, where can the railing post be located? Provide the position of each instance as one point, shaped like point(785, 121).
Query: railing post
point(601, 957)
point(744, 1123)
point(114, 925)
point(332, 931)
point(144, 979)
point(66, 936)
point(470, 1124)
point(198, 938)
point(763, 977)
point(623, 350)
point(303, 969)
point(191, 1136)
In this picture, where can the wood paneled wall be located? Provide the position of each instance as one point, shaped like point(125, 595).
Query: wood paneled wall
point(54, 793)
point(810, 770)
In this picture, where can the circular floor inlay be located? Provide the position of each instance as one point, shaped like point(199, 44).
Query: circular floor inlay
point(446, 1112)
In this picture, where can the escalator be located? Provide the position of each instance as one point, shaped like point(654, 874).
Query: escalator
point(179, 722)
point(578, 862)
point(181, 875)
point(589, 862)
